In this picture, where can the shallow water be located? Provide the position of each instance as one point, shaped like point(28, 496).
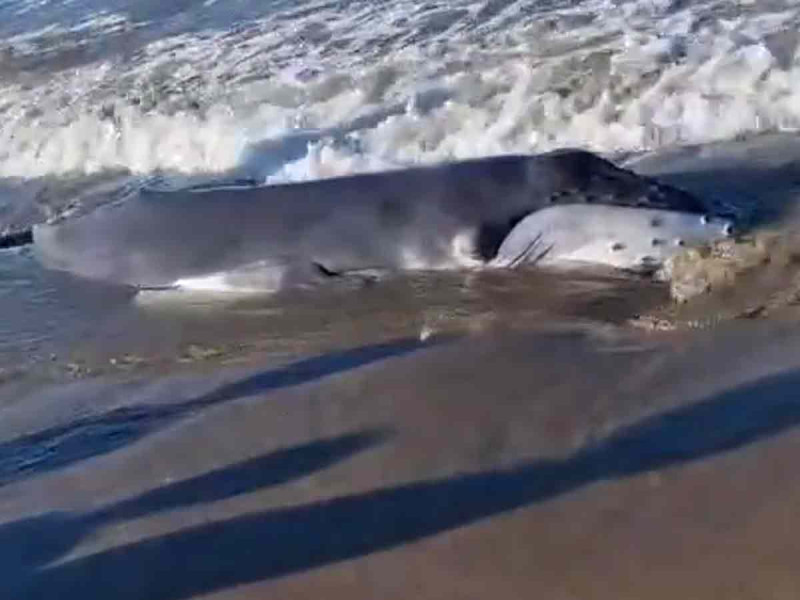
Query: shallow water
point(61, 327)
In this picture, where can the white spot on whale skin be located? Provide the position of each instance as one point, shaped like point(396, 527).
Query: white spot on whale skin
point(615, 236)
point(210, 283)
point(250, 279)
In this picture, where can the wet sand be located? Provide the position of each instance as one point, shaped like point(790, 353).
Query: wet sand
point(58, 329)
point(559, 464)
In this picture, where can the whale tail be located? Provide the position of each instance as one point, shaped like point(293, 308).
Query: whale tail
point(15, 239)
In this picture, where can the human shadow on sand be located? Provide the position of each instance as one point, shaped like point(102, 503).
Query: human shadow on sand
point(277, 542)
point(85, 438)
point(28, 544)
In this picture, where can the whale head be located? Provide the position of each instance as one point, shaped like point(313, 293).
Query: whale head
point(580, 177)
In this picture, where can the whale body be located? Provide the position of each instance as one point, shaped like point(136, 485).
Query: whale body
point(455, 215)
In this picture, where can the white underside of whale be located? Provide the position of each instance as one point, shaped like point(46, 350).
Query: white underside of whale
point(638, 239)
point(612, 236)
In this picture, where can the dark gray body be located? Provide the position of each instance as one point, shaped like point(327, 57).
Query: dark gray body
point(399, 219)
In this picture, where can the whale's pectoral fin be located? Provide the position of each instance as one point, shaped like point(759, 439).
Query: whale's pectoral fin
point(363, 276)
point(325, 271)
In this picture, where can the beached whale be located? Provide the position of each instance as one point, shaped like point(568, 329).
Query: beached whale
point(486, 212)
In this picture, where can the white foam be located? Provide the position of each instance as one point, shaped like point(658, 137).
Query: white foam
point(391, 85)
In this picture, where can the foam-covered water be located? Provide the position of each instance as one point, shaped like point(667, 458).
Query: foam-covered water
point(295, 91)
